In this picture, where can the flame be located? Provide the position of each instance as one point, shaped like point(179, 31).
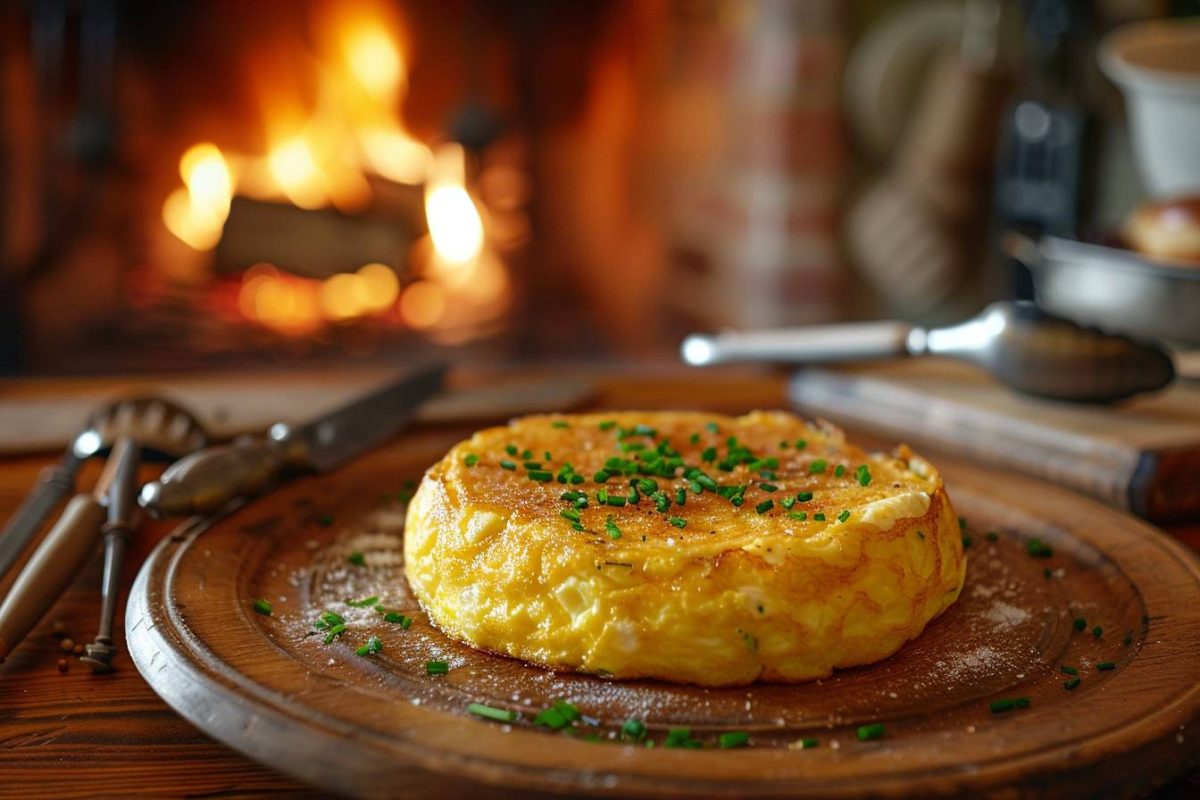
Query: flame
point(454, 222)
point(423, 304)
point(197, 213)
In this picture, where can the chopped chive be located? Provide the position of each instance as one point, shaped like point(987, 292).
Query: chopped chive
point(575, 526)
point(633, 730)
point(766, 474)
point(787, 502)
point(396, 618)
point(1080, 623)
point(678, 522)
point(506, 464)
point(532, 465)
point(764, 506)
point(733, 739)
point(1106, 666)
point(511, 449)
point(373, 646)
point(819, 516)
point(1071, 683)
point(526, 454)
point(1097, 632)
point(713, 428)
point(615, 500)
point(818, 466)
point(967, 541)
point(576, 479)
point(680, 497)
point(548, 457)
point(560, 423)
point(569, 513)
point(471, 459)
point(845, 515)
point(1068, 670)
point(646, 485)
point(328, 619)
point(706, 482)
point(873, 731)
point(804, 497)
point(709, 454)
point(601, 476)
point(783, 444)
point(437, 667)
point(839, 471)
point(800, 515)
point(863, 475)
point(611, 528)
point(487, 712)
point(1038, 549)
point(681, 737)
point(365, 602)
point(694, 438)
point(801, 444)
point(808, 744)
point(768, 487)
point(1008, 704)
point(634, 497)
point(661, 501)
point(608, 424)
point(695, 487)
point(262, 606)
point(357, 559)
point(541, 475)
point(334, 632)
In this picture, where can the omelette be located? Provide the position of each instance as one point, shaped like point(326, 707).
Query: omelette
point(682, 546)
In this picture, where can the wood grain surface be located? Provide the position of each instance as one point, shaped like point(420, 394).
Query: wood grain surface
point(79, 735)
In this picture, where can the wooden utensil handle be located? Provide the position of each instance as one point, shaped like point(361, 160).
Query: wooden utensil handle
point(208, 479)
point(50, 570)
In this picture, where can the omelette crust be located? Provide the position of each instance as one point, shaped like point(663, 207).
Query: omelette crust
point(736, 596)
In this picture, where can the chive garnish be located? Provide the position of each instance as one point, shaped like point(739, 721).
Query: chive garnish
point(328, 619)
point(863, 475)
point(819, 516)
point(646, 485)
point(713, 428)
point(373, 646)
point(787, 502)
point(800, 515)
point(783, 444)
point(733, 739)
point(768, 487)
point(437, 667)
point(1097, 632)
point(1008, 704)
point(1038, 549)
point(634, 730)
point(804, 497)
point(764, 506)
point(540, 475)
point(506, 464)
point(532, 465)
point(680, 497)
point(334, 632)
point(357, 559)
point(661, 501)
point(695, 487)
point(560, 423)
point(471, 459)
point(262, 606)
point(709, 455)
point(801, 444)
point(365, 602)
point(681, 737)
point(608, 424)
point(526, 454)
point(511, 449)
point(694, 438)
point(808, 744)
point(601, 476)
point(839, 471)
point(615, 500)
point(873, 731)
point(1106, 666)
point(1068, 670)
point(1071, 683)
point(611, 528)
point(487, 712)
point(1080, 623)
point(818, 466)
point(396, 618)
point(569, 513)
point(678, 522)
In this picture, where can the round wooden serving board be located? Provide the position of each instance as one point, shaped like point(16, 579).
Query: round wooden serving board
point(378, 725)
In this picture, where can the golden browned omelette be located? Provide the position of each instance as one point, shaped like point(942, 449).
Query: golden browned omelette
point(684, 546)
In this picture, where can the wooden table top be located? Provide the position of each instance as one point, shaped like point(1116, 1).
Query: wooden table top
point(75, 734)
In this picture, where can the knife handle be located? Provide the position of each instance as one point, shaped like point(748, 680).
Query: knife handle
point(54, 484)
point(206, 480)
point(50, 569)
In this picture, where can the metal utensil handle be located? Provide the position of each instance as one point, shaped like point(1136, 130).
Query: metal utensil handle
point(815, 344)
point(54, 484)
point(208, 479)
point(51, 569)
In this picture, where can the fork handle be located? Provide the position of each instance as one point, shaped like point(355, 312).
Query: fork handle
point(50, 569)
point(54, 484)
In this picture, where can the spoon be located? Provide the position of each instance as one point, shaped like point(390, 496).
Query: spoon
point(104, 426)
point(1019, 344)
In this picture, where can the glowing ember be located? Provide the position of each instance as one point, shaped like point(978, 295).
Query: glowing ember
point(454, 223)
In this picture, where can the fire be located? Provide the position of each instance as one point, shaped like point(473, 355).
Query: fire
point(327, 151)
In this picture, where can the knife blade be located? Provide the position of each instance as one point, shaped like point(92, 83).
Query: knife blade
point(206, 480)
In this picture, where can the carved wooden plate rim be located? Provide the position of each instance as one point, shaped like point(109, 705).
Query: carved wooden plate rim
point(244, 685)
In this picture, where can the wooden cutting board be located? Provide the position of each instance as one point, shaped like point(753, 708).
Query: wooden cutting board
point(379, 726)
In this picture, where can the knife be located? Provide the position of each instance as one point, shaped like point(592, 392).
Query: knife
point(206, 480)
